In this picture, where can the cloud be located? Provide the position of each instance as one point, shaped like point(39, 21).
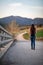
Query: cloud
point(23, 6)
point(15, 4)
point(36, 7)
point(33, 7)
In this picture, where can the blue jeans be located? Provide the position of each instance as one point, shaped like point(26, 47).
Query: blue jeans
point(32, 41)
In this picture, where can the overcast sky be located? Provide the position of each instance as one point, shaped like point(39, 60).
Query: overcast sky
point(24, 8)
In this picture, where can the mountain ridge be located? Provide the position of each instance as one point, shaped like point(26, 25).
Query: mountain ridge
point(21, 20)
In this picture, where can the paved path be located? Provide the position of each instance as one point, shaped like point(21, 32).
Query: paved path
point(20, 53)
point(19, 37)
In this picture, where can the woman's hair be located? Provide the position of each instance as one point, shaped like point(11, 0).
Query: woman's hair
point(32, 29)
point(32, 25)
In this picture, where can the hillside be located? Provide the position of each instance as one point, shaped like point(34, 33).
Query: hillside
point(21, 21)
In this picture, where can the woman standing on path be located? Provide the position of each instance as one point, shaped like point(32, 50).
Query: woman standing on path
point(32, 33)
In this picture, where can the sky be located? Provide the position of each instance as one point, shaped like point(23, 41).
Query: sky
point(23, 8)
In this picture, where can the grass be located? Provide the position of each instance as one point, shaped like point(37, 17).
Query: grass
point(39, 34)
point(26, 36)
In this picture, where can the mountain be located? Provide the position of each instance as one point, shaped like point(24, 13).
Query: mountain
point(21, 20)
point(38, 21)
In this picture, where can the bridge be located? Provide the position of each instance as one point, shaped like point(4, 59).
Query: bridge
point(19, 52)
point(6, 40)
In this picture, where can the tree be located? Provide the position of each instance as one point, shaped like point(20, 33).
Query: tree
point(13, 27)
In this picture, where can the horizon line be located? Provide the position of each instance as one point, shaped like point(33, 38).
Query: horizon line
point(21, 16)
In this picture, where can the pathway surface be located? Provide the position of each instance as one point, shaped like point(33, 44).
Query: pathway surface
point(20, 53)
point(20, 37)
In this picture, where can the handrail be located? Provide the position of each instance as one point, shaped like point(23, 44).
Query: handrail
point(5, 30)
point(5, 38)
point(2, 35)
point(5, 41)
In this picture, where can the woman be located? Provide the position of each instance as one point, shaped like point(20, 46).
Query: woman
point(32, 33)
